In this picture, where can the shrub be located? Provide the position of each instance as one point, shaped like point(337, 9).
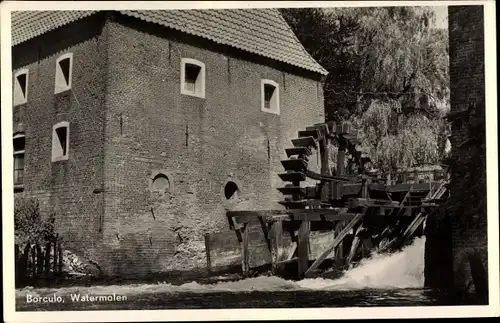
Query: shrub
point(29, 225)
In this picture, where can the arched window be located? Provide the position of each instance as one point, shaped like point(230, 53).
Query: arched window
point(60, 141)
point(64, 71)
point(230, 189)
point(161, 183)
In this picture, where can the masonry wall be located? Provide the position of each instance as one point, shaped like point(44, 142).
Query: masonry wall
point(200, 144)
point(466, 207)
point(67, 188)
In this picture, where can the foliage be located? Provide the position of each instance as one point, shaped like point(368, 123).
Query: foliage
point(388, 75)
point(29, 226)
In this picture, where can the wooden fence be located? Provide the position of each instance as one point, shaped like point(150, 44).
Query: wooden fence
point(35, 261)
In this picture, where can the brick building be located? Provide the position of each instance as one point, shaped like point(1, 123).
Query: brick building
point(457, 241)
point(139, 129)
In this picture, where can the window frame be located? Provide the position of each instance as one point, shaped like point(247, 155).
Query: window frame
point(24, 71)
point(18, 152)
point(66, 87)
point(62, 124)
point(274, 108)
point(201, 75)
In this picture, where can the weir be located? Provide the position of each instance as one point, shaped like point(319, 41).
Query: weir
point(332, 225)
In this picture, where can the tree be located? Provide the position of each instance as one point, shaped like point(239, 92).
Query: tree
point(388, 76)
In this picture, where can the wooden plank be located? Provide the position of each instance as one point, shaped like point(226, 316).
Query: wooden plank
point(354, 248)
point(414, 225)
point(287, 261)
point(292, 251)
point(276, 244)
point(337, 240)
point(365, 202)
point(244, 247)
point(355, 244)
point(339, 249)
point(207, 251)
point(416, 187)
point(303, 247)
point(319, 216)
point(240, 217)
point(341, 158)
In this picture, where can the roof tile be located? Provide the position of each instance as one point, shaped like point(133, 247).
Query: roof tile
point(259, 31)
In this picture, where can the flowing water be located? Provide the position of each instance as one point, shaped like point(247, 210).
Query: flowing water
point(380, 280)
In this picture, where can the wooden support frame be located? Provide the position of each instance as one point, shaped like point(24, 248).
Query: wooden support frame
point(339, 249)
point(276, 245)
point(334, 244)
point(245, 267)
point(303, 247)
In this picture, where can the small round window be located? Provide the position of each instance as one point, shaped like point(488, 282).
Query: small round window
point(161, 183)
point(230, 189)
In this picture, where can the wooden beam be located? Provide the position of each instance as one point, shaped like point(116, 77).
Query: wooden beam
point(355, 244)
point(339, 249)
point(320, 216)
point(207, 249)
point(414, 225)
point(240, 217)
point(334, 244)
point(341, 157)
point(354, 248)
point(276, 242)
point(416, 187)
point(244, 249)
point(366, 202)
point(303, 247)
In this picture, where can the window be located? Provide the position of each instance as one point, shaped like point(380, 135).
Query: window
point(270, 97)
point(161, 183)
point(20, 87)
point(192, 77)
point(60, 141)
point(64, 67)
point(19, 142)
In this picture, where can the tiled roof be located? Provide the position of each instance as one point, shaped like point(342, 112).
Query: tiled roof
point(259, 31)
point(30, 24)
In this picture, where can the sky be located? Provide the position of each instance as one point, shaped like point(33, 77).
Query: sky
point(441, 16)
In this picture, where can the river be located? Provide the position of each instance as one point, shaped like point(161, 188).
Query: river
point(382, 280)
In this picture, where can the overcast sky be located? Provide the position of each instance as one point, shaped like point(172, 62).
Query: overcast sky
point(441, 16)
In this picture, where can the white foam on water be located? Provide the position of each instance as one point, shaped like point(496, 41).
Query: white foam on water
point(404, 269)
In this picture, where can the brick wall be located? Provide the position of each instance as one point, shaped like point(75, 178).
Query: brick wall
point(65, 187)
point(466, 206)
point(200, 144)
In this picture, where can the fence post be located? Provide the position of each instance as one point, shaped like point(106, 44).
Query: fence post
point(47, 259)
point(26, 260)
point(54, 268)
point(60, 259)
point(33, 260)
point(17, 262)
point(39, 260)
